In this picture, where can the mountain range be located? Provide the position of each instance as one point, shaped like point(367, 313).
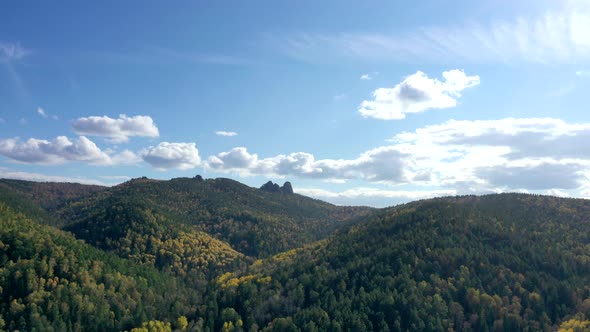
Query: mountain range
point(194, 254)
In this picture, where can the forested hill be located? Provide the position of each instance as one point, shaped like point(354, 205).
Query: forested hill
point(49, 281)
point(40, 200)
point(254, 222)
point(506, 262)
point(50, 195)
point(194, 228)
point(216, 255)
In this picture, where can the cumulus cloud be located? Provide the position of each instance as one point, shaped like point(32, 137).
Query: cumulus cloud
point(543, 176)
point(372, 196)
point(58, 151)
point(117, 130)
point(417, 93)
point(124, 157)
point(378, 165)
point(237, 158)
point(497, 155)
point(172, 155)
point(226, 133)
point(528, 155)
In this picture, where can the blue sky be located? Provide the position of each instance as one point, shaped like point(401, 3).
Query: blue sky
point(376, 102)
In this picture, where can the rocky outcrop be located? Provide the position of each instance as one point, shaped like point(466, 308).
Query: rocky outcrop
point(274, 188)
point(287, 188)
point(271, 187)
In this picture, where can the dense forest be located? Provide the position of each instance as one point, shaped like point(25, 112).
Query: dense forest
point(191, 254)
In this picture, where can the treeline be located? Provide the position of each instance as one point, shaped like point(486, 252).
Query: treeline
point(215, 255)
point(254, 222)
point(497, 263)
point(51, 282)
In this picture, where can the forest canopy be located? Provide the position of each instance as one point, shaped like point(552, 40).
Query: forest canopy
point(216, 255)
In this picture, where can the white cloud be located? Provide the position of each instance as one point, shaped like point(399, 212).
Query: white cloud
point(124, 157)
point(118, 130)
point(373, 192)
point(18, 175)
point(372, 196)
point(531, 154)
point(237, 158)
point(226, 133)
point(533, 177)
point(10, 55)
point(499, 155)
point(558, 35)
point(41, 112)
point(172, 155)
point(44, 114)
point(60, 150)
point(558, 193)
point(417, 93)
point(115, 177)
point(378, 165)
point(366, 77)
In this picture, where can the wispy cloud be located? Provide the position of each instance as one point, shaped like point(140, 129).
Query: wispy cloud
point(41, 112)
point(226, 133)
point(583, 73)
point(12, 52)
point(164, 56)
point(369, 76)
point(563, 90)
point(556, 36)
point(10, 55)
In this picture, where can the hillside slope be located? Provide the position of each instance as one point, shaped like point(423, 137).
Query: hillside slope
point(504, 262)
point(254, 222)
point(50, 281)
point(41, 200)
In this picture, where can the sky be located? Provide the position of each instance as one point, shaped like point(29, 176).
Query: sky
point(357, 103)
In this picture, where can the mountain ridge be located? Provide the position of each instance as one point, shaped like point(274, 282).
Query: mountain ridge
point(254, 260)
